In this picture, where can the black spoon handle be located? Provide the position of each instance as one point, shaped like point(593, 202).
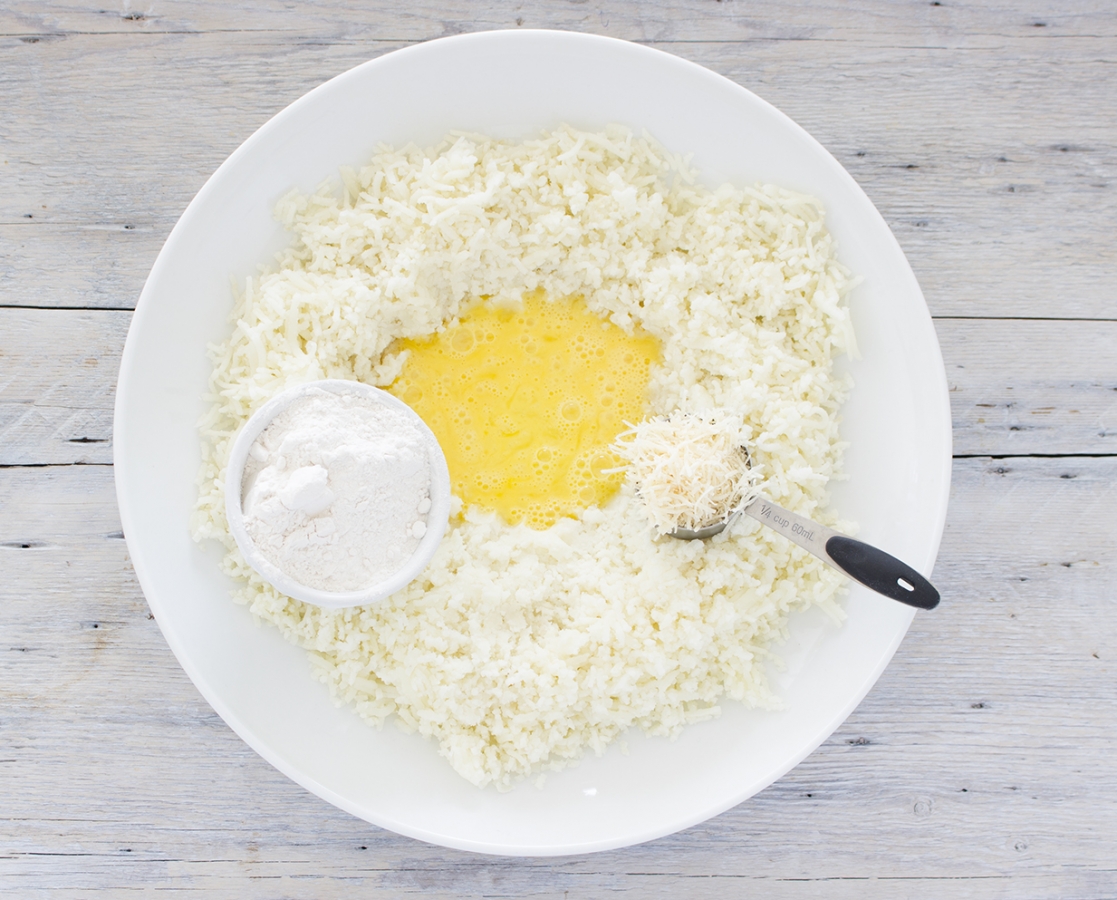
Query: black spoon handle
point(862, 562)
point(882, 572)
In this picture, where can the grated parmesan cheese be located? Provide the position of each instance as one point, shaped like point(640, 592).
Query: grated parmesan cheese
point(690, 471)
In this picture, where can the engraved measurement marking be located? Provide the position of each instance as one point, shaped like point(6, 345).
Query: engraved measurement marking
point(770, 513)
point(780, 522)
point(802, 532)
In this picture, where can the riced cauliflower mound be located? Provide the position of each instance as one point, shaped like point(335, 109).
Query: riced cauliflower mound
point(518, 650)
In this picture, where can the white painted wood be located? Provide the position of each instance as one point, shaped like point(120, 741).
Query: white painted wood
point(57, 384)
point(1021, 387)
point(986, 141)
point(875, 21)
point(1017, 386)
point(980, 766)
point(106, 264)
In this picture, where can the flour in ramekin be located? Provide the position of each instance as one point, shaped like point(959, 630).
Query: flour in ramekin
point(337, 491)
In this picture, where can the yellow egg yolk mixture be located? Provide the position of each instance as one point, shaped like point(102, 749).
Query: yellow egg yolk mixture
point(525, 403)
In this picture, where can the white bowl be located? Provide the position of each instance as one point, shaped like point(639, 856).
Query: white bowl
point(514, 84)
point(437, 518)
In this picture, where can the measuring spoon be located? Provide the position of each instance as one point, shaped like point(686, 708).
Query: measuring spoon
point(862, 562)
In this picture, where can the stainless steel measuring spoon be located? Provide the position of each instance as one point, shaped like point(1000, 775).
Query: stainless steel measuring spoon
point(862, 562)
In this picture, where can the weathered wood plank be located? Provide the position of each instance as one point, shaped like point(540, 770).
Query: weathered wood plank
point(1017, 387)
point(653, 20)
point(57, 380)
point(998, 200)
point(105, 265)
point(980, 756)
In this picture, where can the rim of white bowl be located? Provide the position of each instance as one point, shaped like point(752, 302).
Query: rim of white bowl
point(437, 517)
point(146, 569)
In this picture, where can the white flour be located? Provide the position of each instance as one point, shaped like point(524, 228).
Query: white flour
point(337, 491)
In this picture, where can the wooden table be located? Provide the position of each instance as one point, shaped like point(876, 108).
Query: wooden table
point(983, 764)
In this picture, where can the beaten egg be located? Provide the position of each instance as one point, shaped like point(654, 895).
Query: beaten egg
point(525, 403)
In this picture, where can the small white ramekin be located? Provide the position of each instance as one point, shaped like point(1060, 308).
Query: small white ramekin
point(437, 517)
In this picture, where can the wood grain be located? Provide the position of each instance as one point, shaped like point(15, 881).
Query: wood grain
point(57, 382)
point(106, 264)
point(1017, 387)
point(974, 759)
point(953, 24)
point(1031, 387)
point(972, 189)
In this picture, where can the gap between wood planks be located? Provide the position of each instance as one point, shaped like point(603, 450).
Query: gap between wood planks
point(126, 309)
point(54, 465)
point(944, 318)
point(933, 318)
point(1034, 455)
point(974, 318)
point(990, 456)
point(40, 36)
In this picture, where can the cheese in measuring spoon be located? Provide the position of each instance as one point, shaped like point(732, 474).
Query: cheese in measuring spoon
point(526, 403)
